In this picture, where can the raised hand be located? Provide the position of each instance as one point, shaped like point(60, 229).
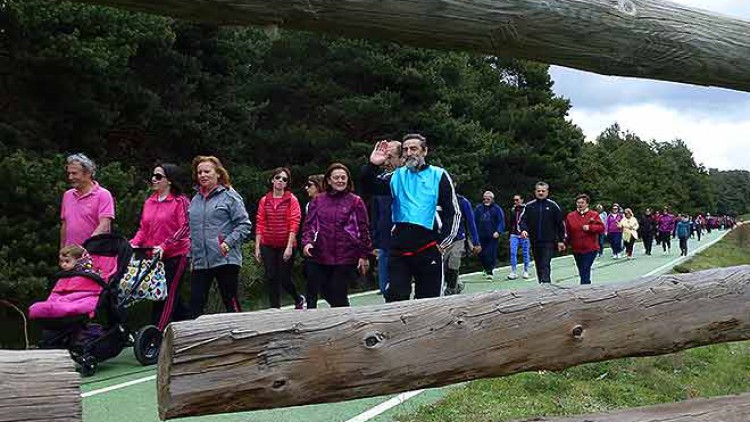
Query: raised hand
point(379, 153)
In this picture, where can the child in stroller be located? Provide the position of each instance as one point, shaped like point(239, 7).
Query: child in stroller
point(82, 313)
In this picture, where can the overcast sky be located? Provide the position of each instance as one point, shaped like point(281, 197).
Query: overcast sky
point(713, 122)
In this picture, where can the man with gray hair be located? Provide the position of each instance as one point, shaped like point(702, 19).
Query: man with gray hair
point(490, 221)
point(87, 209)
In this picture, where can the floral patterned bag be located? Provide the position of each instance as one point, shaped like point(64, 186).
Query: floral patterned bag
point(144, 279)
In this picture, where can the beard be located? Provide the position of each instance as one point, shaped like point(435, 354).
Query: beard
point(413, 163)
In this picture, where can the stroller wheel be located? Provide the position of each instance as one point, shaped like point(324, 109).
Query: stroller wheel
point(88, 365)
point(147, 343)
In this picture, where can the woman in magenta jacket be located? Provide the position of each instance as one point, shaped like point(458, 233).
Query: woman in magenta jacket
point(164, 227)
point(336, 239)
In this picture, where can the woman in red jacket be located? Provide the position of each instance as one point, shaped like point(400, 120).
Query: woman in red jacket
point(584, 227)
point(276, 230)
point(164, 227)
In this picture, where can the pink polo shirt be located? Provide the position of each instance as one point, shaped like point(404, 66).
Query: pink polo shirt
point(81, 213)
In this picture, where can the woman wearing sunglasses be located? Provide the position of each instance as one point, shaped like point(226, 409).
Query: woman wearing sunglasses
point(276, 228)
point(164, 227)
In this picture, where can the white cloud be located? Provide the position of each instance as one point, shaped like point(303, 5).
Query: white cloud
point(713, 122)
point(715, 142)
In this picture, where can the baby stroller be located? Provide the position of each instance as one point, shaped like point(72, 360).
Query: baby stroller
point(83, 313)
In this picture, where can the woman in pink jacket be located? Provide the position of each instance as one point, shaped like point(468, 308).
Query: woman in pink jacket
point(164, 227)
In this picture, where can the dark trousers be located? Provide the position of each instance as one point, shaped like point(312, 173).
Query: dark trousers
point(173, 308)
point(684, 245)
point(615, 242)
point(227, 276)
point(278, 274)
point(488, 256)
point(601, 243)
point(543, 253)
point(426, 268)
point(666, 240)
point(584, 262)
point(332, 281)
point(648, 243)
point(629, 246)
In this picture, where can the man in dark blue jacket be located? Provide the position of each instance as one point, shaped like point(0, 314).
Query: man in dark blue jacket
point(467, 237)
point(490, 221)
point(382, 222)
point(542, 223)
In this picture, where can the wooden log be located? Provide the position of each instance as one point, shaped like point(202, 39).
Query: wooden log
point(39, 385)
point(237, 362)
point(642, 38)
point(721, 409)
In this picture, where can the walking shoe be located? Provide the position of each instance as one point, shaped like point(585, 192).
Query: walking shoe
point(525, 275)
point(487, 276)
point(512, 275)
point(301, 303)
point(459, 287)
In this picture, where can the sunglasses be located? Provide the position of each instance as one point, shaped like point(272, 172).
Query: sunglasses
point(157, 176)
point(280, 178)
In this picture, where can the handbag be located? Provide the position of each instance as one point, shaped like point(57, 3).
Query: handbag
point(144, 279)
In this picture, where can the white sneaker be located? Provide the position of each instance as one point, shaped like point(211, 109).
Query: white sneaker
point(615, 256)
point(512, 276)
point(526, 275)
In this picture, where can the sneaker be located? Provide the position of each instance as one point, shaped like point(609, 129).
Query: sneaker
point(512, 276)
point(301, 303)
point(459, 287)
point(487, 276)
point(615, 256)
point(526, 275)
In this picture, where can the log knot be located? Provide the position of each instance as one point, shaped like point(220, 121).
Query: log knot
point(577, 332)
point(373, 339)
point(627, 7)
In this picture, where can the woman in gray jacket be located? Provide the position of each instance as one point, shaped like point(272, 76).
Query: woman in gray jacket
point(219, 224)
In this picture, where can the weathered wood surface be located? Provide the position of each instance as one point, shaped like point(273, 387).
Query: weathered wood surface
point(39, 385)
point(235, 362)
point(642, 38)
point(722, 409)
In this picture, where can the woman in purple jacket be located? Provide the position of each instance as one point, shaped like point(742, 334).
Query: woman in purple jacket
point(335, 239)
point(613, 230)
point(666, 226)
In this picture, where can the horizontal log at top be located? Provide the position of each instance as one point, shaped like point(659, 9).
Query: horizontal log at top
point(641, 38)
point(237, 362)
point(720, 409)
point(39, 385)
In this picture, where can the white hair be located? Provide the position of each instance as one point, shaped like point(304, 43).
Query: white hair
point(490, 194)
point(86, 163)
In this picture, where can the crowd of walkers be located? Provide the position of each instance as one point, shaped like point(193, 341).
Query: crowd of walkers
point(415, 225)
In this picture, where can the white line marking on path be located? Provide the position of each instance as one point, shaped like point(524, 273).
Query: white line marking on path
point(682, 258)
point(385, 406)
point(117, 386)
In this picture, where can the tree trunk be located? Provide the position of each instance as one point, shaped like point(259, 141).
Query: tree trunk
point(722, 409)
point(39, 385)
point(641, 38)
point(237, 362)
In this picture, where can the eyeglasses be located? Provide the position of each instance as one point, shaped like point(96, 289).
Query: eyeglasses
point(280, 178)
point(157, 176)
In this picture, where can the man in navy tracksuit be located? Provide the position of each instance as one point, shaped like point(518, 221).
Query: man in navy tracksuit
point(542, 223)
point(490, 221)
point(425, 215)
point(467, 240)
point(381, 216)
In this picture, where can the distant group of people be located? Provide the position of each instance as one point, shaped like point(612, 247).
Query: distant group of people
point(421, 228)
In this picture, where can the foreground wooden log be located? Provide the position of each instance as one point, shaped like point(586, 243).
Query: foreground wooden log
point(39, 385)
point(722, 409)
point(642, 38)
point(235, 362)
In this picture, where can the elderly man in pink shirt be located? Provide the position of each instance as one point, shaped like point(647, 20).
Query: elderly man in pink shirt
point(87, 209)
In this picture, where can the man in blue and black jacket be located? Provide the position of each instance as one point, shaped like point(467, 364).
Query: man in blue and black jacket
point(542, 223)
point(420, 233)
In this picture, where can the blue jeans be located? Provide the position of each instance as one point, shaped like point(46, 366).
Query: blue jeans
point(382, 269)
point(615, 241)
point(515, 240)
point(489, 254)
point(584, 262)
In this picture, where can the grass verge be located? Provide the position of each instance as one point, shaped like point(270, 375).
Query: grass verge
point(599, 387)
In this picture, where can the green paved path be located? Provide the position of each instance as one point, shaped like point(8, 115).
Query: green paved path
point(124, 391)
